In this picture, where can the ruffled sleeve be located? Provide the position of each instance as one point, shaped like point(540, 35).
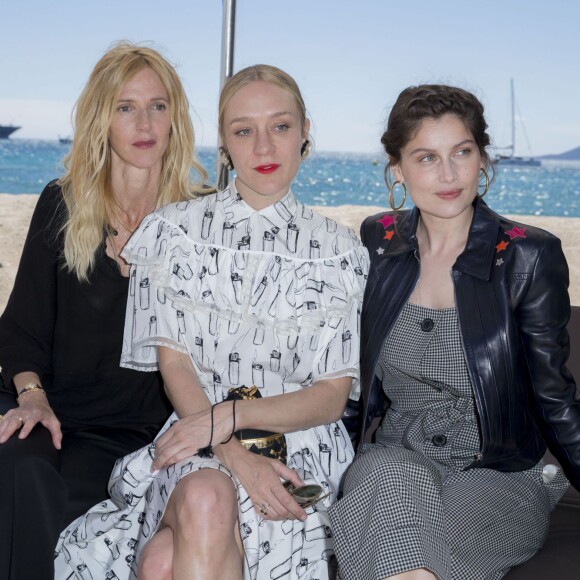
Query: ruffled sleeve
point(338, 354)
point(151, 320)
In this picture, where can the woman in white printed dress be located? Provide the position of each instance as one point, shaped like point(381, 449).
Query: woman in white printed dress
point(247, 287)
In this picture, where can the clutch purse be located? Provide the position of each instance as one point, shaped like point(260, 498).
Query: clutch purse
point(267, 443)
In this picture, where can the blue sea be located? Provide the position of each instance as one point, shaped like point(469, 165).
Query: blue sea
point(330, 179)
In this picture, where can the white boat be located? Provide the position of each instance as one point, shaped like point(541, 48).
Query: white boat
point(511, 158)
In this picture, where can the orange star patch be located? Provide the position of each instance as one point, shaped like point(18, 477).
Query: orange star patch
point(389, 234)
point(502, 246)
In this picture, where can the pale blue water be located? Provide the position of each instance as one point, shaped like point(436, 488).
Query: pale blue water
point(330, 179)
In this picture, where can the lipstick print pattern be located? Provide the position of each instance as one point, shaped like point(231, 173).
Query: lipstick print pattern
point(269, 298)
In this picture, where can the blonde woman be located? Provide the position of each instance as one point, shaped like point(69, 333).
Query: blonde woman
point(256, 297)
point(69, 410)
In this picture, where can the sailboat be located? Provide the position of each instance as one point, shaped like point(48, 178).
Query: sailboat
point(513, 159)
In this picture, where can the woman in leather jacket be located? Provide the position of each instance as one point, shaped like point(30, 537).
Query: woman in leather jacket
point(463, 354)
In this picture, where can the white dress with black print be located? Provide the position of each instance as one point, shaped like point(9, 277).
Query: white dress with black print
point(269, 298)
point(408, 502)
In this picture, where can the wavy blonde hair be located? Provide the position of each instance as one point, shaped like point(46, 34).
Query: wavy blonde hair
point(86, 183)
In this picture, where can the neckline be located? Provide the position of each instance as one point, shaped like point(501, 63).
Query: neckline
point(281, 213)
point(429, 309)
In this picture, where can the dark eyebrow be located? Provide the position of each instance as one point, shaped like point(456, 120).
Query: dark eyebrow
point(425, 150)
point(272, 116)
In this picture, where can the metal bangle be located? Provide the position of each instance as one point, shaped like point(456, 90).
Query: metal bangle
point(29, 388)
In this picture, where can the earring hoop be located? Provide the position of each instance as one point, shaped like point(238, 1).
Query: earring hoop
point(225, 159)
point(486, 189)
point(392, 197)
point(305, 149)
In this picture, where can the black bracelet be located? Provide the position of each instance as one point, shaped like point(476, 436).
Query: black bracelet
point(207, 452)
point(234, 425)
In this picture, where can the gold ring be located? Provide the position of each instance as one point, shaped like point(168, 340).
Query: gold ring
point(264, 508)
point(1, 417)
point(21, 420)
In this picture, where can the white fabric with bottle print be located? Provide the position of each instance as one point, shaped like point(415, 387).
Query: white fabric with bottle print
point(269, 298)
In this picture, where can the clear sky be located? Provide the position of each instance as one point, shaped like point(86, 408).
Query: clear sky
point(351, 58)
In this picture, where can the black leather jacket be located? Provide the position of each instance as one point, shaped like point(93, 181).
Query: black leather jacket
point(511, 296)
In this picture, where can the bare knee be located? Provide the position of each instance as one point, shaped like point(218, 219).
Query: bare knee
point(156, 560)
point(202, 514)
point(205, 501)
point(155, 566)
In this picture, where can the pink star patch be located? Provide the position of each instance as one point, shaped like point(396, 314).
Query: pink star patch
point(387, 220)
point(516, 232)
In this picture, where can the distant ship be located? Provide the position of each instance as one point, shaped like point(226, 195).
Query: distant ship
point(515, 160)
point(7, 130)
point(64, 140)
point(512, 159)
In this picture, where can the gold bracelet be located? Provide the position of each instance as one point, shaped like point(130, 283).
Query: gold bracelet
point(29, 388)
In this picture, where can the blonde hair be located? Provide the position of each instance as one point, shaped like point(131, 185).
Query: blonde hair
point(259, 72)
point(86, 183)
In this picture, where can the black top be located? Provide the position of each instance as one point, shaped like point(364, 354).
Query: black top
point(71, 333)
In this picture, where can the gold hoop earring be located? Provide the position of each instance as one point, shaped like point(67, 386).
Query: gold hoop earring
point(392, 197)
point(225, 159)
point(305, 149)
point(486, 189)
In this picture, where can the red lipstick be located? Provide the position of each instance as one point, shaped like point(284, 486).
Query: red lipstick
point(144, 144)
point(267, 169)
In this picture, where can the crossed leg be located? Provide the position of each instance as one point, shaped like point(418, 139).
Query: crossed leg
point(199, 533)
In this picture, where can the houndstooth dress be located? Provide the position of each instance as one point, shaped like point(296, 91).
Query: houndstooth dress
point(408, 502)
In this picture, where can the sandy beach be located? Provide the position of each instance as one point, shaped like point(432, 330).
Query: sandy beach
point(16, 210)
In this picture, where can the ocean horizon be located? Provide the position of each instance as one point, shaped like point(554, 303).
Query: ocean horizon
point(330, 179)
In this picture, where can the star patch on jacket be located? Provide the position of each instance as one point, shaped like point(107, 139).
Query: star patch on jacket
point(515, 232)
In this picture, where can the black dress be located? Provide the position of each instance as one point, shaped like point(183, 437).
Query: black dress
point(70, 334)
